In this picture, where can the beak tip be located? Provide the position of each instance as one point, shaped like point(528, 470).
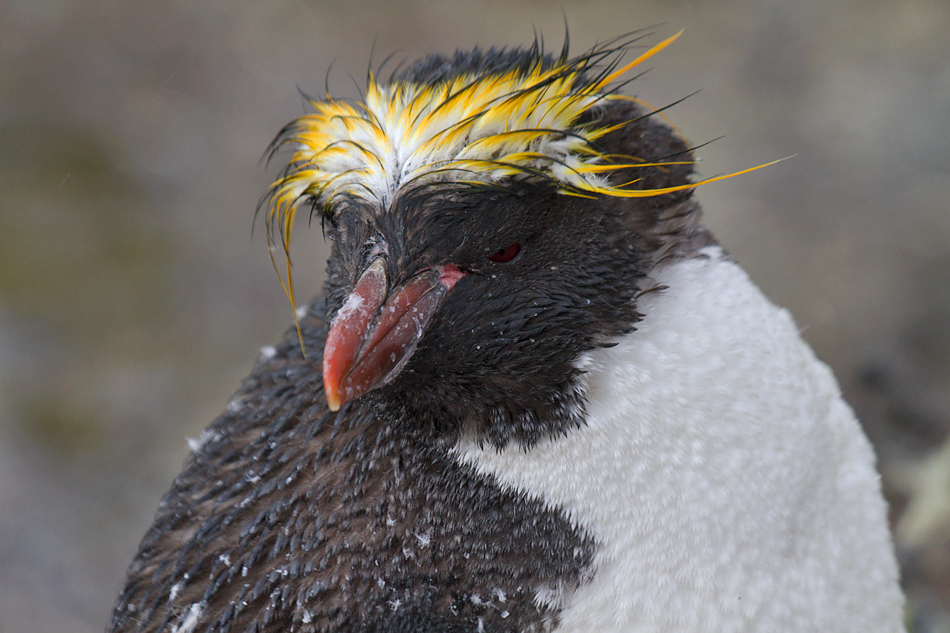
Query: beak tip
point(333, 397)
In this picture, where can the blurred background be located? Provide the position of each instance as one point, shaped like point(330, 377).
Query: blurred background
point(134, 295)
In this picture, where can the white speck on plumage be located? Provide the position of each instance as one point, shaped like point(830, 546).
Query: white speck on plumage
point(424, 539)
point(268, 352)
point(195, 444)
point(190, 620)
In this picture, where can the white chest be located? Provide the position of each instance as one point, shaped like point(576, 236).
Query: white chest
point(727, 485)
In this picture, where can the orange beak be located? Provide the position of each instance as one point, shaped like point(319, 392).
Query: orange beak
point(372, 336)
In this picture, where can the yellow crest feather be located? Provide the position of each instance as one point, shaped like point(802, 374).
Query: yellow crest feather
point(489, 127)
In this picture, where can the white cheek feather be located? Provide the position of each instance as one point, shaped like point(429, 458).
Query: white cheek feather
point(726, 483)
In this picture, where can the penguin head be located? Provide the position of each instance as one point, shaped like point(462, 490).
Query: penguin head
point(493, 216)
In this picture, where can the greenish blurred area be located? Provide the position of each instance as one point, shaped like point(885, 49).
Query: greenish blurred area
point(134, 295)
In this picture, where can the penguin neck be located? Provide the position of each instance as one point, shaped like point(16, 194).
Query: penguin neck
point(700, 443)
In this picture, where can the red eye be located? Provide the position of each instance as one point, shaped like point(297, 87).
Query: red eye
point(506, 254)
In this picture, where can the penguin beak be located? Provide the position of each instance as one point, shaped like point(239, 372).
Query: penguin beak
point(372, 335)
